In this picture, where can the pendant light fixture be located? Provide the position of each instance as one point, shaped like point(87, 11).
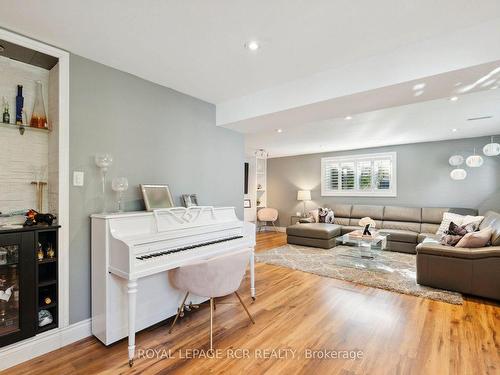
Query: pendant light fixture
point(491, 149)
point(474, 161)
point(456, 160)
point(458, 174)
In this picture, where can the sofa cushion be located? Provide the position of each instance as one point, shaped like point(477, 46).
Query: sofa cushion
point(422, 236)
point(432, 248)
point(401, 235)
point(342, 210)
point(429, 228)
point(314, 230)
point(395, 213)
point(341, 220)
point(448, 218)
point(433, 215)
point(401, 225)
point(374, 212)
point(492, 219)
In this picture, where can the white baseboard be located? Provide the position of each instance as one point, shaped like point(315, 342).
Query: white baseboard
point(43, 343)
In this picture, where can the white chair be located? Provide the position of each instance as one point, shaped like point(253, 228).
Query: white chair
point(215, 277)
point(267, 214)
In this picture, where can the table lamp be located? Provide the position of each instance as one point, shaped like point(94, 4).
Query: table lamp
point(304, 195)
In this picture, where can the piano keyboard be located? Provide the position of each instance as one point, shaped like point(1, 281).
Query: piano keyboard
point(179, 249)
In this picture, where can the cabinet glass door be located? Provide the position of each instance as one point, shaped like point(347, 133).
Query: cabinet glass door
point(9, 289)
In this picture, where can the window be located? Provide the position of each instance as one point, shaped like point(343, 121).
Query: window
point(359, 175)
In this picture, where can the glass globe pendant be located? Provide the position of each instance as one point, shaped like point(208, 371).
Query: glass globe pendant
point(474, 161)
point(491, 149)
point(456, 160)
point(458, 174)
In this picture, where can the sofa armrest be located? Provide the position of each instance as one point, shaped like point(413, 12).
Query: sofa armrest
point(458, 252)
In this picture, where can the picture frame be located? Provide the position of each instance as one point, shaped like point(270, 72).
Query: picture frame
point(156, 196)
point(189, 200)
point(247, 203)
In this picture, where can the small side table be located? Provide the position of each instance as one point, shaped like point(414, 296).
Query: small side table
point(294, 219)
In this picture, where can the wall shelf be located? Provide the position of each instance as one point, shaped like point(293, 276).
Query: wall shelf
point(22, 128)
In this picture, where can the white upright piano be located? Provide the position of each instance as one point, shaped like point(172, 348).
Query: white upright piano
point(132, 253)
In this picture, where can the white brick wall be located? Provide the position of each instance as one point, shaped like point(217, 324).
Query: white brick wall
point(21, 156)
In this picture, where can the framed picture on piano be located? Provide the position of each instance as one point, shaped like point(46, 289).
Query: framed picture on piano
point(156, 196)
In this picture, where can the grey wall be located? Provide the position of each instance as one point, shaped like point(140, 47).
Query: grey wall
point(423, 179)
point(156, 135)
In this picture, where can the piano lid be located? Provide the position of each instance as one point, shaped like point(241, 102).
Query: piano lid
point(162, 221)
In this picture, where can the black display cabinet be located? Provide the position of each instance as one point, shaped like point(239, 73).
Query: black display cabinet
point(28, 281)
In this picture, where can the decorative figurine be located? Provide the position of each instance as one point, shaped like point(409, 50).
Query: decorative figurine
point(39, 252)
point(33, 218)
point(6, 114)
point(51, 253)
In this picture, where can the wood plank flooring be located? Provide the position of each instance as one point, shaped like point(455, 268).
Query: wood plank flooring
point(296, 312)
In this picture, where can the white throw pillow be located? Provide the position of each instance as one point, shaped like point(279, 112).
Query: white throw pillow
point(476, 220)
point(448, 217)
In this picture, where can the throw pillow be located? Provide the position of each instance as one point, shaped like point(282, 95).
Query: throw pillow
point(314, 215)
point(455, 233)
point(476, 239)
point(448, 217)
point(325, 215)
point(473, 220)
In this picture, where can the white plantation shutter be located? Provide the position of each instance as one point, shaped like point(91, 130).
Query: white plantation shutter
point(383, 173)
point(359, 175)
point(365, 172)
point(348, 176)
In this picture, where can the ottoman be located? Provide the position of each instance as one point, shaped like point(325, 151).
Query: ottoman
point(313, 234)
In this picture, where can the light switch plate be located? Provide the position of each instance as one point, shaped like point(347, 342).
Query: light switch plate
point(78, 178)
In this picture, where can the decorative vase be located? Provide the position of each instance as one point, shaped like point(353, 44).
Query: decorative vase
point(120, 185)
point(19, 105)
point(38, 117)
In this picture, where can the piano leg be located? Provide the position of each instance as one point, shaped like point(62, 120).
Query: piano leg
point(132, 297)
point(252, 274)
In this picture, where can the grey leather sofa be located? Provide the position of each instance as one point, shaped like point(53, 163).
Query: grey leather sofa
point(472, 271)
point(407, 226)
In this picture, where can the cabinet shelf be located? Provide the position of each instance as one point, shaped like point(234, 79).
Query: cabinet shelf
point(22, 128)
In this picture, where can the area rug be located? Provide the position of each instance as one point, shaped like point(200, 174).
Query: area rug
point(386, 270)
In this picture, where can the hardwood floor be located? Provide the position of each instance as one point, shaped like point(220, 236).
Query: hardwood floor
point(296, 311)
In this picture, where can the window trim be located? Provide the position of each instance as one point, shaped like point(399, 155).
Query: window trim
point(392, 192)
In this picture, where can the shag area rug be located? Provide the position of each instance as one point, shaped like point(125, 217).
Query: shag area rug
point(386, 270)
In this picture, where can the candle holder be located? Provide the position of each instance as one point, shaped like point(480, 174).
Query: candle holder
point(120, 185)
point(103, 161)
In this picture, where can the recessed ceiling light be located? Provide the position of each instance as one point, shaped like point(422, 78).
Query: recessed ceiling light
point(279, 130)
point(348, 118)
point(418, 86)
point(252, 45)
point(454, 130)
point(454, 98)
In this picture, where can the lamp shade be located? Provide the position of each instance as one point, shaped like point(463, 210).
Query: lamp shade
point(456, 160)
point(491, 149)
point(304, 195)
point(458, 174)
point(474, 161)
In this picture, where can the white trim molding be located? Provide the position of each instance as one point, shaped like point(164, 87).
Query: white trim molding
point(63, 200)
point(43, 343)
point(358, 168)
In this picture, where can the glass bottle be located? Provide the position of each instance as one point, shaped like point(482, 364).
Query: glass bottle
point(6, 114)
point(38, 117)
point(19, 105)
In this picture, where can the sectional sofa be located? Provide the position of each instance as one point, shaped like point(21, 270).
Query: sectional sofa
point(407, 226)
point(413, 230)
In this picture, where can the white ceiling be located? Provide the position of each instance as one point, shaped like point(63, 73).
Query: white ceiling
point(412, 123)
point(196, 47)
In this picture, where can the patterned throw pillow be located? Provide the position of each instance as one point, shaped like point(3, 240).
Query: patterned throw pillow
point(455, 233)
point(325, 215)
point(449, 217)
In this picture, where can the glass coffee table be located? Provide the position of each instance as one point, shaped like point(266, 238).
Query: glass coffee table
point(362, 252)
point(363, 247)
